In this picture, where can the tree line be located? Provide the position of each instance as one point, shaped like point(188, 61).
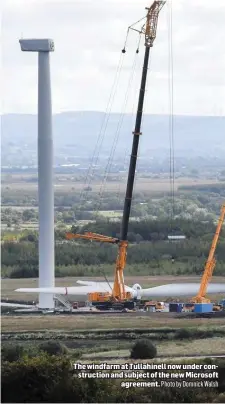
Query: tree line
point(152, 230)
point(148, 248)
point(218, 188)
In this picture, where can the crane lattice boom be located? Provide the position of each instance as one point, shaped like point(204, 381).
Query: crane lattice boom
point(93, 237)
point(152, 22)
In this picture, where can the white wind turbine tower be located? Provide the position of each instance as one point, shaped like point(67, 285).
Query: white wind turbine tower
point(45, 168)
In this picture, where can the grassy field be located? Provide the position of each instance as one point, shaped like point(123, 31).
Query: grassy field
point(8, 286)
point(150, 185)
point(167, 348)
point(65, 322)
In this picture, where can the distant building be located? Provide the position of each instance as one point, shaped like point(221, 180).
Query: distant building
point(176, 237)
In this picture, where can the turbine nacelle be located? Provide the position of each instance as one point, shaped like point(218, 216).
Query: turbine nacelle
point(37, 45)
point(137, 290)
point(136, 286)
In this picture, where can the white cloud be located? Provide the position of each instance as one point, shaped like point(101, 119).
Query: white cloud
point(89, 36)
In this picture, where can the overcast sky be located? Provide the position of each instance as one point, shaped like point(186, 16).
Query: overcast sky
point(89, 36)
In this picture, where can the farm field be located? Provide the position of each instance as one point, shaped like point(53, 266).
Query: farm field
point(142, 184)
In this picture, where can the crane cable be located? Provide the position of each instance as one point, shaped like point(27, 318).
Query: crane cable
point(111, 99)
point(95, 156)
point(116, 138)
point(171, 112)
point(122, 117)
point(117, 133)
point(126, 152)
point(104, 123)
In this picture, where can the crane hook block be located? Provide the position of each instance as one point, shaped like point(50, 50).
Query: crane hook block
point(123, 50)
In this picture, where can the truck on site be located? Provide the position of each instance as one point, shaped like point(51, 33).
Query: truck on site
point(220, 306)
point(154, 306)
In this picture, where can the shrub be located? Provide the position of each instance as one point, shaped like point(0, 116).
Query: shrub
point(53, 348)
point(220, 398)
point(30, 380)
point(40, 380)
point(183, 333)
point(28, 272)
point(143, 349)
point(12, 353)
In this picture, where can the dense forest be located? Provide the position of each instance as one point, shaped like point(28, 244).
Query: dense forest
point(150, 252)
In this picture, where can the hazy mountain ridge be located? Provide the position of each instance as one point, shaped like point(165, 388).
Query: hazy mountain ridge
point(81, 129)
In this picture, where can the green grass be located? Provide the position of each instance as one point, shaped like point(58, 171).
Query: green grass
point(79, 322)
point(168, 348)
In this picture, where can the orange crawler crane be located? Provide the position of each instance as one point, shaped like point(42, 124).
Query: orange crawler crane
point(119, 294)
point(118, 290)
point(210, 264)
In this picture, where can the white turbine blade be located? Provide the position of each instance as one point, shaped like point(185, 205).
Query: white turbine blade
point(86, 283)
point(170, 290)
point(99, 287)
point(59, 290)
point(28, 306)
point(70, 290)
point(181, 289)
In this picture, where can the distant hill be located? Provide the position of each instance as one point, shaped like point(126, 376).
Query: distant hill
point(79, 130)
